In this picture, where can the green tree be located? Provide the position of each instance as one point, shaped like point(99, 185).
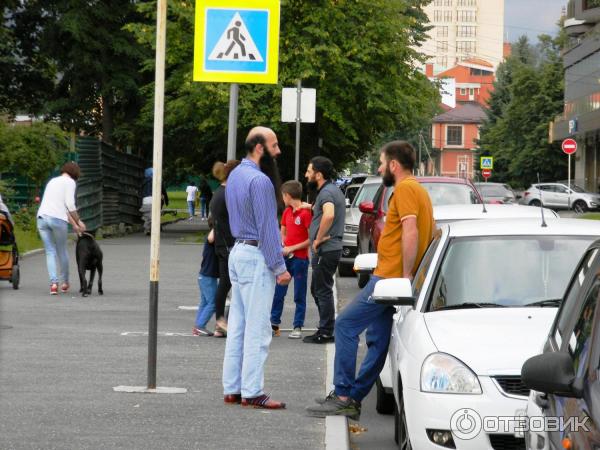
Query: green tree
point(528, 94)
point(366, 86)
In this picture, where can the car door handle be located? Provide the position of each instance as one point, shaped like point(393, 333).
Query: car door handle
point(542, 401)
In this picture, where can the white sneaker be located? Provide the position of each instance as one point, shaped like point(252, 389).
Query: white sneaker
point(296, 334)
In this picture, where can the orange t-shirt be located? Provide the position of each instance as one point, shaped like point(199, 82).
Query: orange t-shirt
point(409, 199)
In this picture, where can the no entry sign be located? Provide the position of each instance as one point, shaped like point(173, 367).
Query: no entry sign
point(486, 173)
point(569, 146)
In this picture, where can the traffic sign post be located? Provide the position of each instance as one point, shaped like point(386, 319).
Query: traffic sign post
point(569, 146)
point(486, 173)
point(486, 162)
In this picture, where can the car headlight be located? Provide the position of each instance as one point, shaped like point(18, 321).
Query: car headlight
point(444, 374)
point(351, 228)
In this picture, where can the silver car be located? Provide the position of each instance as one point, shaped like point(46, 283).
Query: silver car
point(366, 193)
point(558, 196)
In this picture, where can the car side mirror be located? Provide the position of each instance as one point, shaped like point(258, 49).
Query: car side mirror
point(367, 207)
point(365, 263)
point(394, 292)
point(552, 373)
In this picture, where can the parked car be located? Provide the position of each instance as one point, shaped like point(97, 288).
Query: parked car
point(356, 178)
point(564, 378)
point(350, 193)
point(366, 193)
point(496, 192)
point(558, 196)
point(473, 314)
point(442, 191)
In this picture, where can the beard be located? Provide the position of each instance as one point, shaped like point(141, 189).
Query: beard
point(268, 166)
point(388, 178)
point(312, 190)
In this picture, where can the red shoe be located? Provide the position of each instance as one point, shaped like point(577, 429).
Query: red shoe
point(262, 402)
point(64, 287)
point(54, 289)
point(232, 399)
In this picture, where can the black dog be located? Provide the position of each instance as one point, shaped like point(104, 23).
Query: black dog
point(89, 257)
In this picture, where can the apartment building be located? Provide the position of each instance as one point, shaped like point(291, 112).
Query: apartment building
point(581, 116)
point(464, 29)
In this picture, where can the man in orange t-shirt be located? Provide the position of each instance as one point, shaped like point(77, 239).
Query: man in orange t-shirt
point(408, 230)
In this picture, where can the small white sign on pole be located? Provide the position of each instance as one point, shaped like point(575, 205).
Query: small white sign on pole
point(289, 103)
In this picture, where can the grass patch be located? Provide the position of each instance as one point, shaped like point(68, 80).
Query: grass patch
point(171, 217)
point(195, 238)
point(27, 240)
point(177, 200)
point(590, 216)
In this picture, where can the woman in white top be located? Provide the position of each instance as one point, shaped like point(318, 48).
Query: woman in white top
point(56, 211)
point(192, 192)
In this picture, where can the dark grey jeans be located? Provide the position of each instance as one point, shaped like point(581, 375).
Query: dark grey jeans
point(324, 266)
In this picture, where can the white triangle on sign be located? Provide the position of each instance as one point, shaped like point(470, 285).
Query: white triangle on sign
point(236, 44)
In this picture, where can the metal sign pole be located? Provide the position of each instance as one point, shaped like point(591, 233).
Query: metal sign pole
point(234, 93)
point(569, 181)
point(298, 122)
point(159, 107)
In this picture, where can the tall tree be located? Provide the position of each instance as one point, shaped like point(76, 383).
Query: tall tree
point(365, 86)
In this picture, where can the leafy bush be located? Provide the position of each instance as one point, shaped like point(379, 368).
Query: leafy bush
point(25, 219)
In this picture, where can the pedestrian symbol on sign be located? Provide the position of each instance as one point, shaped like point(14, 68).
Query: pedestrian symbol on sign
point(486, 162)
point(236, 43)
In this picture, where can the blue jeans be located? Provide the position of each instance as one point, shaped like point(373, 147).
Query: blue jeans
point(53, 232)
point(203, 206)
point(298, 268)
point(362, 314)
point(248, 327)
point(206, 308)
point(191, 208)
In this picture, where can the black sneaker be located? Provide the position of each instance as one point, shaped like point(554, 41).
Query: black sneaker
point(335, 407)
point(318, 338)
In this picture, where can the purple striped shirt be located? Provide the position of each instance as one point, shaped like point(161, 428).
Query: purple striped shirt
point(252, 208)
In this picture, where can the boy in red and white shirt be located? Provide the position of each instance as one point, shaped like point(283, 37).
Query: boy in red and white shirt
point(295, 223)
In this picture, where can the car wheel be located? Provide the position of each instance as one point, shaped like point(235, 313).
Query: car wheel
point(401, 429)
point(16, 277)
point(535, 203)
point(385, 402)
point(346, 270)
point(580, 207)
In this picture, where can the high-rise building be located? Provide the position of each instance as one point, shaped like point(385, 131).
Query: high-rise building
point(464, 29)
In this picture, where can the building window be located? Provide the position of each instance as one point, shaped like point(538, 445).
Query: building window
point(454, 135)
point(442, 61)
point(442, 31)
point(437, 16)
point(466, 16)
point(590, 4)
point(442, 46)
point(467, 3)
point(466, 47)
point(471, 91)
point(466, 31)
point(463, 91)
point(447, 16)
point(443, 3)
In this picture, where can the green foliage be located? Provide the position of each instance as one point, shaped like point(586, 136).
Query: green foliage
point(31, 151)
point(365, 87)
point(528, 95)
point(25, 219)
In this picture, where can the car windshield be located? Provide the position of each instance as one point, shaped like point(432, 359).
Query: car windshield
point(493, 190)
point(577, 188)
point(444, 194)
point(365, 194)
point(351, 192)
point(476, 270)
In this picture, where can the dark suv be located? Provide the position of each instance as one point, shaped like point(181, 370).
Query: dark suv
point(566, 377)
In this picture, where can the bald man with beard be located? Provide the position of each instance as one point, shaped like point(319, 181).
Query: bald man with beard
point(256, 264)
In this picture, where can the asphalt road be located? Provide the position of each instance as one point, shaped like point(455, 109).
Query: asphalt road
point(379, 434)
point(60, 358)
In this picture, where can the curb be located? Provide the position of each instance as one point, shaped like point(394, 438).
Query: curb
point(336, 427)
point(32, 252)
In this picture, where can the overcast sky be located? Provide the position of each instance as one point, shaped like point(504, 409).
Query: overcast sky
point(531, 17)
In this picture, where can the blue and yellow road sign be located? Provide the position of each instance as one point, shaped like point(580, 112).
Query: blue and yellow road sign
point(486, 162)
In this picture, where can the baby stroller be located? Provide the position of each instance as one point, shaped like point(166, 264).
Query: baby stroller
point(9, 253)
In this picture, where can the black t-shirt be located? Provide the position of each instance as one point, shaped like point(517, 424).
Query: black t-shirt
point(220, 216)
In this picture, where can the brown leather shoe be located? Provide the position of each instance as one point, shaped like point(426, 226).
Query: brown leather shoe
point(232, 399)
point(262, 402)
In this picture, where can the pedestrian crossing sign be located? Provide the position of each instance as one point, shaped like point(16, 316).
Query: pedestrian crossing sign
point(237, 41)
point(486, 162)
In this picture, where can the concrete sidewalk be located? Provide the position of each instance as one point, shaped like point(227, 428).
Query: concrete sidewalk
point(61, 356)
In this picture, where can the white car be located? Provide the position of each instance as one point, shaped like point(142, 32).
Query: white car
point(482, 302)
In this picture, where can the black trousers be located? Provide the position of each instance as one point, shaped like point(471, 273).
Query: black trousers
point(324, 265)
point(224, 283)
